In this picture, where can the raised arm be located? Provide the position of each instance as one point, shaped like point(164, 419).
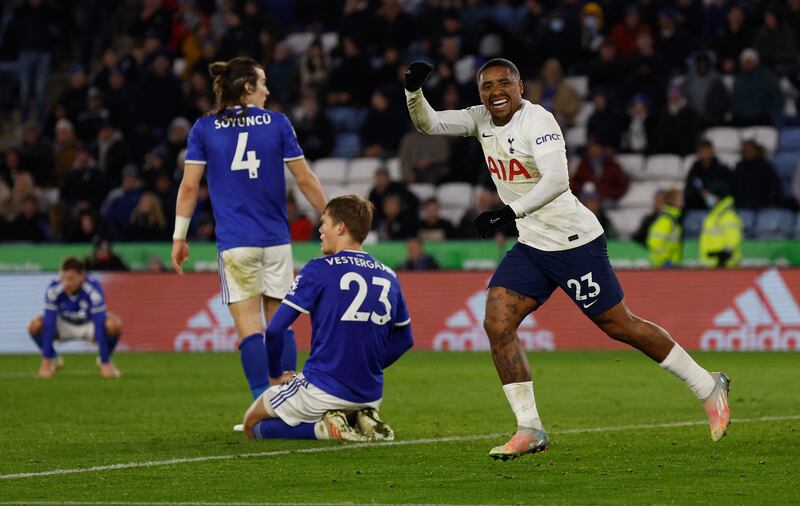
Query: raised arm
point(424, 118)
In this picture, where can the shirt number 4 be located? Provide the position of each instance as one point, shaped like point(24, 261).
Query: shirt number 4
point(593, 289)
point(251, 164)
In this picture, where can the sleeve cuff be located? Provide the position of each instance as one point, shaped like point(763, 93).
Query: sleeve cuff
point(403, 324)
point(196, 162)
point(293, 158)
point(295, 306)
point(517, 208)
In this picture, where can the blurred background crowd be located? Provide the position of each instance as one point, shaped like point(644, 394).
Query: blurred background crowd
point(97, 98)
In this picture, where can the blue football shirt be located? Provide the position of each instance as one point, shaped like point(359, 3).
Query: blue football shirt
point(244, 160)
point(77, 308)
point(354, 302)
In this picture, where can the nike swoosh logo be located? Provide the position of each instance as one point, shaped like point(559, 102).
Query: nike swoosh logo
point(494, 220)
point(585, 306)
point(484, 135)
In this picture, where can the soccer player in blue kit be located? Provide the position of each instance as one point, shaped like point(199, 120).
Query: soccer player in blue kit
point(75, 309)
point(561, 245)
point(360, 326)
point(244, 148)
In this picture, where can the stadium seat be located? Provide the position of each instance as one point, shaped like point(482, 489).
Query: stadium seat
point(362, 170)
point(330, 41)
point(724, 139)
point(331, 170)
point(693, 223)
point(453, 214)
point(575, 138)
point(640, 194)
point(455, 195)
point(423, 191)
point(361, 189)
point(774, 223)
point(347, 145)
point(748, 222)
point(395, 172)
point(789, 140)
point(627, 221)
point(580, 84)
point(586, 110)
point(729, 159)
point(766, 136)
point(632, 164)
point(337, 190)
point(668, 167)
point(299, 42)
point(786, 165)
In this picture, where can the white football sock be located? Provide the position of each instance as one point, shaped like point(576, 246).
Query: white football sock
point(523, 404)
point(679, 363)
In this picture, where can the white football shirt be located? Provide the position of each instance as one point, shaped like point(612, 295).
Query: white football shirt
point(511, 152)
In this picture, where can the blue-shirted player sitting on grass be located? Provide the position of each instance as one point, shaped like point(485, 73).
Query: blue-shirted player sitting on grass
point(360, 326)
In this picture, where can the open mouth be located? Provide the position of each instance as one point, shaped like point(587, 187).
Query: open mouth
point(499, 103)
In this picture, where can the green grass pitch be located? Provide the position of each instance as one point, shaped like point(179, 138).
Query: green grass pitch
point(614, 418)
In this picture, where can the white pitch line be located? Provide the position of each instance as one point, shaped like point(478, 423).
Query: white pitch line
point(355, 446)
point(205, 503)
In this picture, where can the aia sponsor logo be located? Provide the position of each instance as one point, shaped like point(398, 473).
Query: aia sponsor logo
point(465, 332)
point(763, 317)
point(514, 170)
point(555, 136)
point(210, 329)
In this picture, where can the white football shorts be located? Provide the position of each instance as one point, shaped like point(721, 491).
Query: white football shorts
point(299, 402)
point(248, 272)
point(68, 331)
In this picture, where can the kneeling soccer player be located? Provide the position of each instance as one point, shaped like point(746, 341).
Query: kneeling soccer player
point(360, 326)
point(75, 309)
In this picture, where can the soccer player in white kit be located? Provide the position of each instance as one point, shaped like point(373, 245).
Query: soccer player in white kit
point(561, 244)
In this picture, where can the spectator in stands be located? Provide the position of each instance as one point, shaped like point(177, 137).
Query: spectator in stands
point(94, 115)
point(706, 170)
point(111, 152)
point(599, 167)
point(121, 202)
point(593, 201)
point(314, 67)
point(757, 96)
point(177, 133)
point(22, 187)
point(735, 37)
point(118, 99)
point(351, 76)
point(383, 186)
point(30, 224)
point(87, 228)
point(756, 185)
point(280, 73)
point(705, 91)
point(160, 96)
point(605, 124)
point(672, 43)
point(33, 26)
point(417, 259)
point(423, 158)
point(384, 126)
point(300, 227)
point(433, 227)
point(640, 235)
point(664, 237)
point(776, 43)
point(104, 258)
point(678, 126)
point(396, 224)
point(64, 150)
point(85, 184)
point(722, 232)
point(640, 130)
point(314, 132)
point(555, 94)
point(147, 221)
point(592, 19)
point(647, 72)
point(36, 153)
point(604, 71)
point(624, 33)
point(73, 99)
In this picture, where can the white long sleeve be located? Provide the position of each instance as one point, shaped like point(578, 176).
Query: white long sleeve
point(428, 121)
point(554, 182)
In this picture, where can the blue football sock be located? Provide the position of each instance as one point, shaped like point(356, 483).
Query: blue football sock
point(275, 428)
point(253, 353)
point(112, 342)
point(289, 355)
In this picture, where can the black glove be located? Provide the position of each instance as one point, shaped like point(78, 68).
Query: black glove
point(416, 73)
point(722, 257)
point(493, 221)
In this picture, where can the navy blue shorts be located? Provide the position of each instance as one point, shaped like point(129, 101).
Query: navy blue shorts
point(584, 273)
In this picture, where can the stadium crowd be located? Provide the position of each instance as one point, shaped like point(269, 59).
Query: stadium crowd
point(102, 96)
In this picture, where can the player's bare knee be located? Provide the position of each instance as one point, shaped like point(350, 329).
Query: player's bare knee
point(35, 326)
point(495, 327)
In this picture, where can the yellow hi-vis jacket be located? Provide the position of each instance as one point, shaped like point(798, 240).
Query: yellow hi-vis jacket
point(722, 231)
point(664, 238)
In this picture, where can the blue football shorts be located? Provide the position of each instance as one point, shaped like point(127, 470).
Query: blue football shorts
point(584, 273)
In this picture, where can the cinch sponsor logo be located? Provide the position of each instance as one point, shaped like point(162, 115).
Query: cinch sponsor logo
point(515, 168)
point(465, 332)
point(547, 138)
point(210, 329)
point(764, 317)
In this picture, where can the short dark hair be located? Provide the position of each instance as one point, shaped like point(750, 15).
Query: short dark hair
point(353, 211)
point(500, 62)
point(73, 264)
